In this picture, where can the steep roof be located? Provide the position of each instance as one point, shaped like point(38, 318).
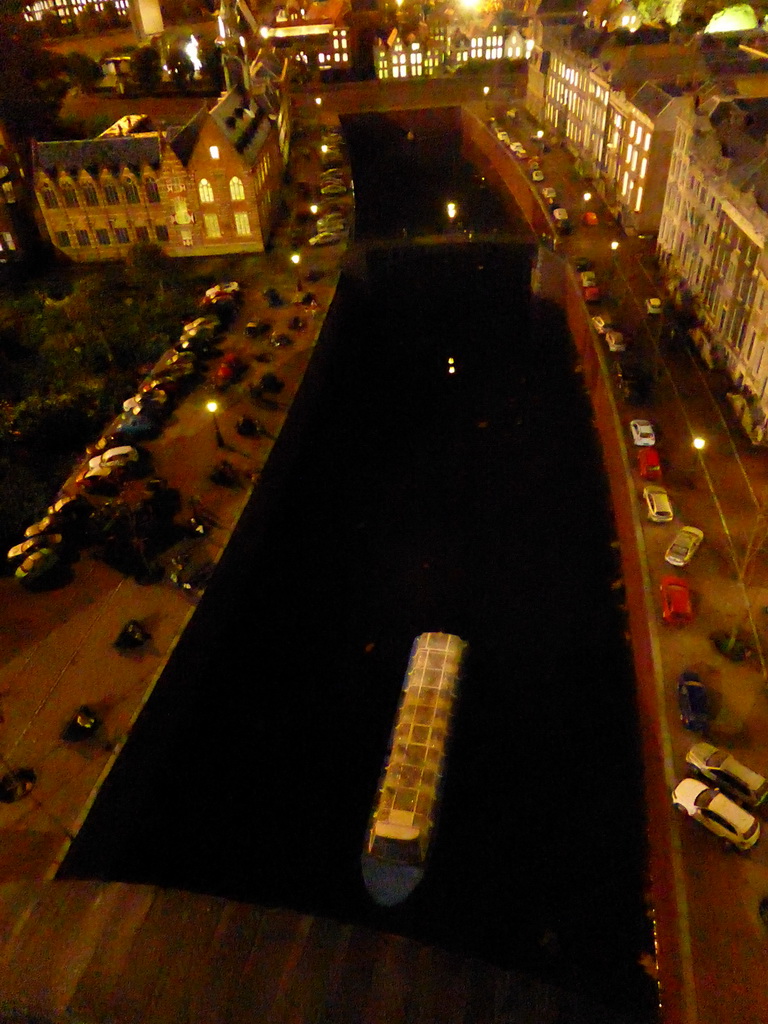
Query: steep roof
point(651, 99)
point(182, 140)
point(243, 119)
point(111, 151)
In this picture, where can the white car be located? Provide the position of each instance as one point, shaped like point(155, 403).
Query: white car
point(684, 546)
point(520, 152)
point(717, 813)
point(643, 434)
point(718, 766)
point(517, 147)
point(537, 175)
point(653, 306)
point(502, 136)
point(325, 238)
point(615, 341)
point(549, 193)
point(601, 324)
point(657, 502)
point(331, 222)
point(230, 287)
point(587, 279)
point(334, 189)
point(120, 456)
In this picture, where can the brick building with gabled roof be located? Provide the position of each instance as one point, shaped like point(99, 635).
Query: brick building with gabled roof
point(207, 187)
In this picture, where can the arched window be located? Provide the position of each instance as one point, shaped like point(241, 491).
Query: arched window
point(131, 192)
point(236, 189)
point(205, 190)
point(70, 196)
point(89, 194)
point(50, 200)
point(153, 194)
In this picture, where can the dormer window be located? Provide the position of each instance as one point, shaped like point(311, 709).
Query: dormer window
point(214, 151)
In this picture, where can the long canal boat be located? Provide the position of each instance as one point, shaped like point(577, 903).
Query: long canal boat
point(406, 806)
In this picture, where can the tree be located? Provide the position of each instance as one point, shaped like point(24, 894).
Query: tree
point(33, 81)
point(82, 71)
point(213, 69)
point(180, 68)
point(146, 69)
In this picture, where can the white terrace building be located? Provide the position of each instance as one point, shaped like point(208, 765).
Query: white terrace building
point(713, 241)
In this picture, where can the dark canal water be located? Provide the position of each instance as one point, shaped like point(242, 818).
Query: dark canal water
point(403, 499)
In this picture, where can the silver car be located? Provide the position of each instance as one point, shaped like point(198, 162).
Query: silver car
point(684, 546)
point(721, 768)
point(717, 813)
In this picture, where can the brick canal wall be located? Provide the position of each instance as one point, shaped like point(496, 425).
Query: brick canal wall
point(555, 280)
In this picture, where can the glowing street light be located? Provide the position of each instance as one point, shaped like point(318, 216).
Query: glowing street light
point(614, 246)
point(540, 134)
point(587, 197)
point(313, 208)
point(212, 408)
point(323, 148)
point(486, 90)
point(450, 209)
point(699, 443)
point(295, 259)
point(319, 101)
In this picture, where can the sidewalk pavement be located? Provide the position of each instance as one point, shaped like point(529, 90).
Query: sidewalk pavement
point(57, 643)
point(721, 491)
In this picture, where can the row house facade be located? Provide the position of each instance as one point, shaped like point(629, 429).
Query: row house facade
point(446, 49)
point(712, 242)
point(207, 188)
point(617, 111)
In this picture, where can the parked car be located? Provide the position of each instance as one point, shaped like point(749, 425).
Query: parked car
point(273, 297)
point(562, 221)
point(676, 605)
point(280, 340)
point(589, 218)
point(325, 238)
point(331, 222)
point(587, 278)
point(728, 774)
point(591, 294)
point(228, 371)
point(601, 322)
point(634, 380)
point(297, 324)
point(48, 524)
point(716, 812)
point(582, 263)
point(135, 426)
point(225, 288)
point(642, 432)
point(256, 328)
point(684, 546)
point(648, 464)
point(693, 701)
point(658, 505)
point(653, 306)
point(36, 564)
point(502, 136)
point(42, 540)
point(117, 457)
point(537, 175)
point(334, 189)
point(615, 341)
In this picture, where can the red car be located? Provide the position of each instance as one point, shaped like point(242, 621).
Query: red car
point(592, 294)
point(648, 464)
point(230, 369)
point(676, 607)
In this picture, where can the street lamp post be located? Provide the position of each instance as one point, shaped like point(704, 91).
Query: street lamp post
point(698, 444)
point(212, 408)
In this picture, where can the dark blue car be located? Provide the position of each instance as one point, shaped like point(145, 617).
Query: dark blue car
point(135, 427)
point(693, 701)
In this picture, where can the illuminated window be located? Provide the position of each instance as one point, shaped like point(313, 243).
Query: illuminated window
point(643, 167)
point(639, 200)
point(647, 142)
point(624, 183)
point(205, 191)
point(214, 151)
point(242, 224)
point(634, 160)
point(212, 228)
point(236, 189)
point(629, 153)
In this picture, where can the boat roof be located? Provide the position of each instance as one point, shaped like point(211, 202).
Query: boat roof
point(409, 788)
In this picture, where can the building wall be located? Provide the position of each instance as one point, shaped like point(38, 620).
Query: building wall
point(93, 217)
point(712, 244)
